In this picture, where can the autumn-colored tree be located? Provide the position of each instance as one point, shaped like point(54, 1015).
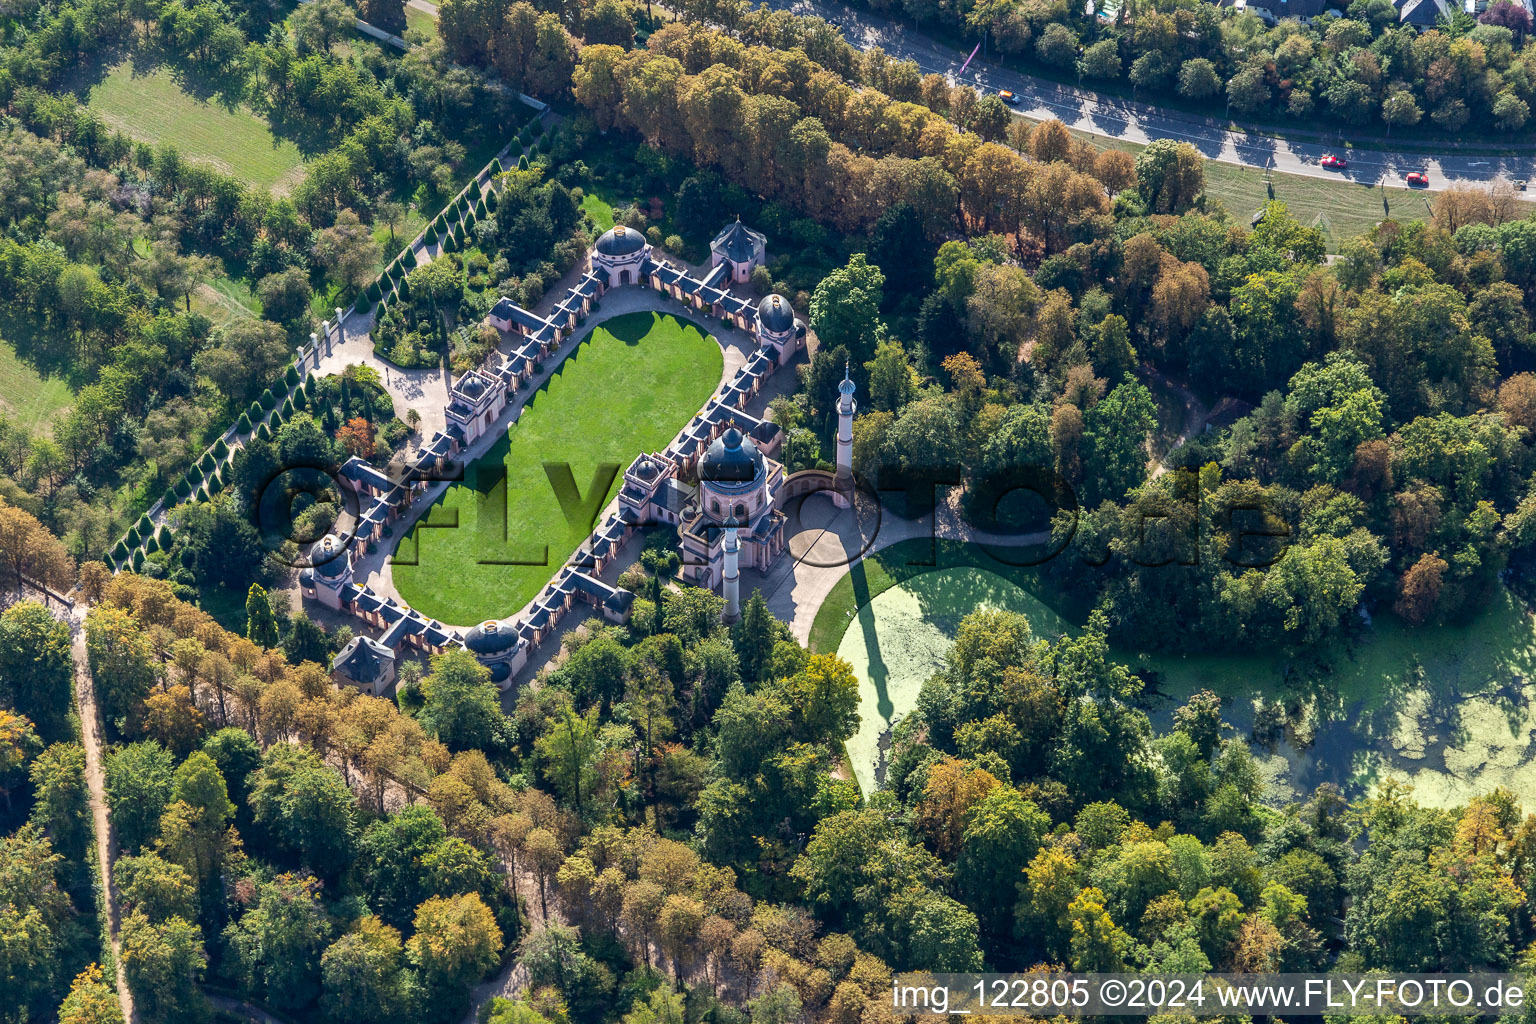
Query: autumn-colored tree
point(28, 552)
point(954, 787)
point(356, 436)
point(1419, 589)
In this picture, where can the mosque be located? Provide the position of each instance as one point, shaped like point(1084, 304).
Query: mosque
point(731, 518)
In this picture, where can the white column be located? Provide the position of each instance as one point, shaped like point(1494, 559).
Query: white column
point(314, 346)
point(730, 580)
point(846, 407)
point(340, 333)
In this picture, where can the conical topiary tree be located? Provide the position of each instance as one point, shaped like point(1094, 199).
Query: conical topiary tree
point(268, 400)
point(202, 493)
point(168, 498)
point(243, 424)
point(119, 553)
point(253, 411)
point(361, 303)
point(220, 449)
point(152, 544)
point(133, 536)
point(495, 165)
point(300, 399)
point(164, 534)
point(287, 408)
point(522, 162)
point(409, 259)
point(182, 489)
point(490, 199)
point(404, 292)
point(138, 559)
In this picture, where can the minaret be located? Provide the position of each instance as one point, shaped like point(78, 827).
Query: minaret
point(846, 407)
point(731, 575)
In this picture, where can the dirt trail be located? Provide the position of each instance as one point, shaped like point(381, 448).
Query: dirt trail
point(96, 782)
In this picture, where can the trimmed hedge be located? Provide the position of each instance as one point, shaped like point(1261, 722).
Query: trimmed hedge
point(253, 411)
point(220, 449)
point(182, 489)
point(292, 376)
point(268, 400)
point(243, 424)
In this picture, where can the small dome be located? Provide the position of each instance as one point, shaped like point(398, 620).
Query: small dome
point(473, 386)
point(775, 315)
point(329, 557)
point(620, 241)
point(490, 637)
point(646, 470)
point(732, 458)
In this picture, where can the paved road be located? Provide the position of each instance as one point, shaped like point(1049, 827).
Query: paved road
point(1129, 121)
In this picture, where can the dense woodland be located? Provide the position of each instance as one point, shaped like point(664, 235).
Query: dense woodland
point(661, 829)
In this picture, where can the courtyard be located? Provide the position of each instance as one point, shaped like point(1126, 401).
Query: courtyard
point(629, 388)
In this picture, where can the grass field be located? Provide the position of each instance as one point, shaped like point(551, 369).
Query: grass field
point(600, 210)
point(1341, 208)
point(153, 107)
point(1451, 708)
point(628, 389)
point(421, 21)
point(31, 400)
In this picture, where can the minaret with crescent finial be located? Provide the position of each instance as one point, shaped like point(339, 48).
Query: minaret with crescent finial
point(730, 576)
point(846, 407)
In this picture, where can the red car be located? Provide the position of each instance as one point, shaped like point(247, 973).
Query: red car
point(1417, 179)
point(1335, 163)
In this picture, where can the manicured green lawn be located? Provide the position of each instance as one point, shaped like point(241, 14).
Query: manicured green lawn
point(153, 107)
point(600, 210)
point(33, 401)
point(628, 389)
